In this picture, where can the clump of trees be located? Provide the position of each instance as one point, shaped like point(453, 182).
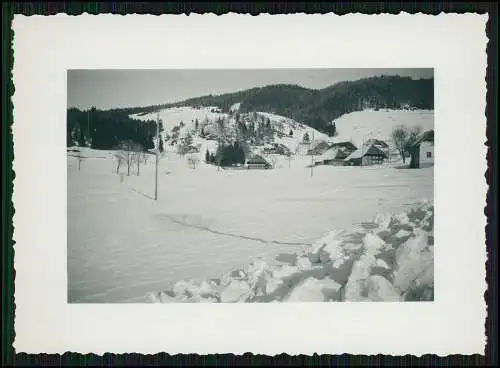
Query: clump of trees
point(129, 153)
point(228, 154)
point(105, 129)
point(331, 129)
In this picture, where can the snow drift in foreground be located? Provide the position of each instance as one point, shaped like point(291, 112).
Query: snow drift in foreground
point(388, 259)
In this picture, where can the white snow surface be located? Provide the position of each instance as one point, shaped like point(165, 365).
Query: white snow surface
point(368, 278)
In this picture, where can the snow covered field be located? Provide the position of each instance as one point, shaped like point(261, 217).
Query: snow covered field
point(390, 258)
point(363, 125)
point(122, 244)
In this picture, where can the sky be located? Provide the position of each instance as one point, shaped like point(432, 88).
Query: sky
point(113, 88)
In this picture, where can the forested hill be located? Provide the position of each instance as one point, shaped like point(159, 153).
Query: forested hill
point(317, 108)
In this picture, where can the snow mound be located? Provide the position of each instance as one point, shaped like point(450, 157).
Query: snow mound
point(314, 290)
point(359, 265)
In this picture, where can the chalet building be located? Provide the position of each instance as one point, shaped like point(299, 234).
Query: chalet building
point(367, 155)
point(334, 157)
point(275, 148)
point(319, 149)
point(347, 147)
point(257, 162)
point(378, 143)
point(423, 149)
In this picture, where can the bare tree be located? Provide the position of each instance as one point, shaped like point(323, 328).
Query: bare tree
point(404, 138)
point(120, 158)
point(127, 153)
point(399, 137)
point(80, 159)
point(193, 160)
point(138, 156)
point(289, 155)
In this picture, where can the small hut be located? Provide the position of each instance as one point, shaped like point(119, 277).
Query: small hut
point(257, 162)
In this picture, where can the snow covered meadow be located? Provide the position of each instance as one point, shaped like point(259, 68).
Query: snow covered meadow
point(123, 246)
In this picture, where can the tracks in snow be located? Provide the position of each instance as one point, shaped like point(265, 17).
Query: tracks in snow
point(205, 228)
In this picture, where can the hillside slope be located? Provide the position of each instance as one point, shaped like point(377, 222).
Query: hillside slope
point(355, 127)
point(363, 125)
point(317, 108)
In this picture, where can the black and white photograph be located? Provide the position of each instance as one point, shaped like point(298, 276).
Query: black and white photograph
point(218, 184)
point(247, 185)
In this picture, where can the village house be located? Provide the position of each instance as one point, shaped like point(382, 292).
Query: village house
point(257, 162)
point(422, 149)
point(377, 143)
point(347, 147)
point(275, 148)
point(269, 149)
point(333, 156)
point(319, 149)
point(366, 155)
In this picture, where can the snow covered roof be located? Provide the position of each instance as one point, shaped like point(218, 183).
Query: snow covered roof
point(427, 136)
point(332, 154)
point(366, 150)
point(345, 144)
point(257, 159)
point(377, 142)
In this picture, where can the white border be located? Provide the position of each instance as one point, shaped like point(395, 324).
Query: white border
point(45, 47)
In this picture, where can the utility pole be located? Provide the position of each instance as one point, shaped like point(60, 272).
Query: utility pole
point(156, 155)
point(362, 151)
point(312, 157)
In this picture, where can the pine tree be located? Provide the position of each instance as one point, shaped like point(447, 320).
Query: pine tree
point(69, 139)
point(305, 138)
point(81, 139)
point(207, 156)
point(160, 145)
point(291, 133)
point(331, 130)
